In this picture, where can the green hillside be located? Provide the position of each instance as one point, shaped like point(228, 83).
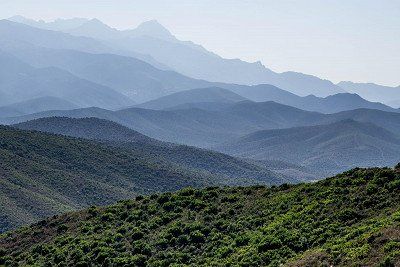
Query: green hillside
point(352, 219)
point(234, 169)
point(46, 174)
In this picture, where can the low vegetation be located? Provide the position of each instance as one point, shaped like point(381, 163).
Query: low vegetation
point(46, 174)
point(352, 219)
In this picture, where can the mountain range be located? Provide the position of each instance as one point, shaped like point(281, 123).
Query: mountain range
point(146, 94)
point(204, 96)
point(206, 128)
point(324, 148)
point(132, 77)
point(194, 126)
point(374, 92)
point(151, 38)
point(36, 105)
point(329, 104)
point(119, 61)
point(20, 81)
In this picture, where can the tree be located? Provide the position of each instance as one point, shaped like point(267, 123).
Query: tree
point(397, 167)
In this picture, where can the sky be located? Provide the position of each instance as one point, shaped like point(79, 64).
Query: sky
point(341, 40)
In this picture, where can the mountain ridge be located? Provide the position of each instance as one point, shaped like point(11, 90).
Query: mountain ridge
point(214, 68)
point(22, 82)
point(198, 95)
point(207, 128)
point(329, 148)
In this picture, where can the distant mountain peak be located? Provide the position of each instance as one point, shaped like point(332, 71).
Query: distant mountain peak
point(95, 23)
point(96, 20)
point(17, 18)
point(151, 23)
point(153, 28)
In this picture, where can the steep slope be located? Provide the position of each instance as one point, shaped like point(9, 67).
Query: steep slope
point(44, 174)
point(374, 92)
point(213, 163)
point(348, 220)
point(329, 104)
point(36, 105)
point(22, 82)
point(201, 95)
point(129, 76)
point(327, 149)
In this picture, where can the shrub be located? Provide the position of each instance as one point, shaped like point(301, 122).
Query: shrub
point(197, 237)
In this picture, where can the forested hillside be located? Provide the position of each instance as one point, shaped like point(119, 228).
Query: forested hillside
point(352, 219)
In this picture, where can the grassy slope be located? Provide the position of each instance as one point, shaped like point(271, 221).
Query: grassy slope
point(352, 219)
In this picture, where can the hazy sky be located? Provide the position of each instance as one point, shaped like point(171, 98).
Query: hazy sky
point(356, 40)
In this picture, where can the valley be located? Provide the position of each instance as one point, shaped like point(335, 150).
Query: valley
point(132, 146)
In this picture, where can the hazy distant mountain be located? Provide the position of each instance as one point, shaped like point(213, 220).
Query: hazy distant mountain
point(205, 128)
point(96, 29)
point(22, 82)
point(130, 76)
point(36, 105)
point(56, 25)
point(196, 62)
point(327, 148)
point(374, 92)
point(13, 31)
point(13, 34)
point(151, 38)
point(329, 104)
point(151, 28)
point(195, 126)
point(207, 106)
point(341, 102)
point(387, 120)
point(264, 92)
point(216, 95)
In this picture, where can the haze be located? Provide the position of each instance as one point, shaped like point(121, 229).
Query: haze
point(335, 40)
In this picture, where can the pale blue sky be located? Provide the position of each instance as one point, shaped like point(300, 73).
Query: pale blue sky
point(356, 40)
